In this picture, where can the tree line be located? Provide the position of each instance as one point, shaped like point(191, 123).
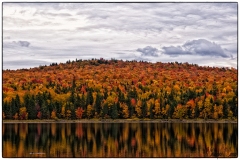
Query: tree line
point(118, 90)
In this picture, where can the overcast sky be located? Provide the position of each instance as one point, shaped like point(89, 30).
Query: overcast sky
point(41, 33)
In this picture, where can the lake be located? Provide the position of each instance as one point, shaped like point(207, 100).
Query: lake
point(120, 140)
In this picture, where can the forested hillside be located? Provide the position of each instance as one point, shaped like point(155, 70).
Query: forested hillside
point(114, 89)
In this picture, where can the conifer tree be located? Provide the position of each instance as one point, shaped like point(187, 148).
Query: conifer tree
point(97, 105)
point(144, 109)
point(114, 113)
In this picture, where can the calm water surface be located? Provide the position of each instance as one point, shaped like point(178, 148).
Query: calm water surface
point(120, 140)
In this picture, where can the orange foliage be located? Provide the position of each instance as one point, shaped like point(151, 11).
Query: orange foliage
point(15, 116)
point(53, 114)
point(3, 115)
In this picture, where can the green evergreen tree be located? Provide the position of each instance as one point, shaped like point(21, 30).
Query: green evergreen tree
point(97, 105)
point(17, 102)
point(121, 96)
point(89, 99)
point(83, 102)
point(51, 106)
point(4, 108)
point(45, 111)
point(171, 109)
point(77, 102)
point(72, 97)
point(196, 111)
point(58, 106)
point(31, 108)
point(225, 109)
point(151, 111)
point(39, 99)
point(114, 113)
point(233, 106)
point(26, 100)
point(14, 108)
point(189, 112)
point(72, 109)
point(105, 94)
point(104, 110)
point(144, 109)
point(130, 107)
point(119, 110)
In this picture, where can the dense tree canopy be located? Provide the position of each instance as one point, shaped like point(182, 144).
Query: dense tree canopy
point(101, 88)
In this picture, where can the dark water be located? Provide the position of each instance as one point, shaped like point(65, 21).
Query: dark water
point(119, 140)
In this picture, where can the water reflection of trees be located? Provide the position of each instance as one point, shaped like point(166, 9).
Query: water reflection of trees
point(119, 140)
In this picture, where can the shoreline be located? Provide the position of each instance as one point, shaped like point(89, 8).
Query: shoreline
point(122, 121)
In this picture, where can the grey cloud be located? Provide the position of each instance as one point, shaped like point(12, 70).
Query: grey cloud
point(99, 14)
point(92, 27)
point(204, 47)
point(52, 14)
point(148, 51)
point(23, 43)
point(72, 19)
point(15, 44)
point(175, 51)
point(64, 14)
point(201, 47)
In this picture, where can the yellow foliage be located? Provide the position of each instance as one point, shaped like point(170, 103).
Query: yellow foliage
point(68, 114)
point(157, 110)
point(23, 113)
point(63, 112)
point(138, 108)
point(53, 114)
point(89, 111)
point(124, 110)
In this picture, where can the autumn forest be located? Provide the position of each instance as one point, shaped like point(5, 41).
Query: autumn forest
point(117, 89)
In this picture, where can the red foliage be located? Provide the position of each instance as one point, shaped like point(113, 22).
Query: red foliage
point(207, 94)
point(133, 142)
point(133, 102)
point(5, 89)
point(83, 89)
point(79, 130)
point(37, 81)
point(39, 115)
point(79, 112)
